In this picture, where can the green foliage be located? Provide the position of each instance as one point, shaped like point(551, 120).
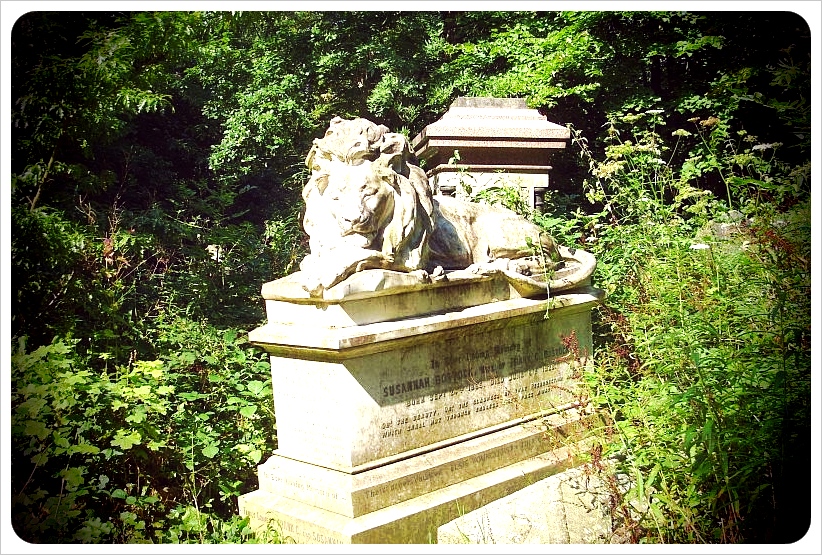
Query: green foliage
point(122, 454)
point(503, 192)
point(704, 355)
point(273, 98)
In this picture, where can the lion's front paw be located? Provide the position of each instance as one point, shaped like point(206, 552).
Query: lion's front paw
point(438, 275)
point(313, 284)
point(421, 275)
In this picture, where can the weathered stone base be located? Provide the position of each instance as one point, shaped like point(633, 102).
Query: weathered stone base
point(413, 521)
point(391, 423)
point(571, 507)
point(568, 507)
point(407, 501)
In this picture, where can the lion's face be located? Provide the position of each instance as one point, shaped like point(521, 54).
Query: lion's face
point(358, 197)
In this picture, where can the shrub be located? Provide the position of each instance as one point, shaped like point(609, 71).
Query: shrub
point(130, 453)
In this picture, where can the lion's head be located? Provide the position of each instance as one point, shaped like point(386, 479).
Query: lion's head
point(366, 200)
point(360, 197)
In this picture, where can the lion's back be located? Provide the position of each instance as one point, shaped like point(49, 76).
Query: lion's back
point(471, 233)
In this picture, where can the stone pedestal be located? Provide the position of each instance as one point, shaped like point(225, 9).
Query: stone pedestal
point(500, 142)
point(401, 407)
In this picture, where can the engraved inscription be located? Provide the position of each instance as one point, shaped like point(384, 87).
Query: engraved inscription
point(299, 531)
point(429, 390)
point(405, 387)
point(298, 483)
point(506, 376)
point(295, 530)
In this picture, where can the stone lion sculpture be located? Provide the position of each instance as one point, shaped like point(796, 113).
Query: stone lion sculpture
point(369, 205)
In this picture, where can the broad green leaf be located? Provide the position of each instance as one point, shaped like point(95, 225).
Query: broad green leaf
point(73, 477)
point(153, 368)
point(248, 410)
point(84, 448)
point(37, 429)
point(142, 391)
point(257, 388)
point(59, 440)
point(126, 440)
point(34, 406)
point(137, 415)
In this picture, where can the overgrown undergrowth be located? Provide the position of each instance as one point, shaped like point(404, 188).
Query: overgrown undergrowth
point(152, 451)
point(703, 346)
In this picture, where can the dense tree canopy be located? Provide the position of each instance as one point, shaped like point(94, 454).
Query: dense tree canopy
point(158, 157)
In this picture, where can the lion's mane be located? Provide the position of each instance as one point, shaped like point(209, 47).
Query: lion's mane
point(401, 242)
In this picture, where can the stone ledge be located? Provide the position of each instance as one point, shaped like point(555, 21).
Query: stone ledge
point(495, 169)
point(569, 507)
point(412, 521)
point(503, 127)
point(284, 339)
point(438, 466)
point(291, 339)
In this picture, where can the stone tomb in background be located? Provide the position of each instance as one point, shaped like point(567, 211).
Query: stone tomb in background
point(500, 141)
point(402, 406)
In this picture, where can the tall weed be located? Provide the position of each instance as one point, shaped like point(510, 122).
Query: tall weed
point(703, 345)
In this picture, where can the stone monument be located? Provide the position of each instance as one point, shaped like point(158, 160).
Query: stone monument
point(426, 359)
point(498, 141)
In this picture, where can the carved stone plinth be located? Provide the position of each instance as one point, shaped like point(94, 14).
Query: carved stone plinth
point(500, 142)
point(392, 422)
